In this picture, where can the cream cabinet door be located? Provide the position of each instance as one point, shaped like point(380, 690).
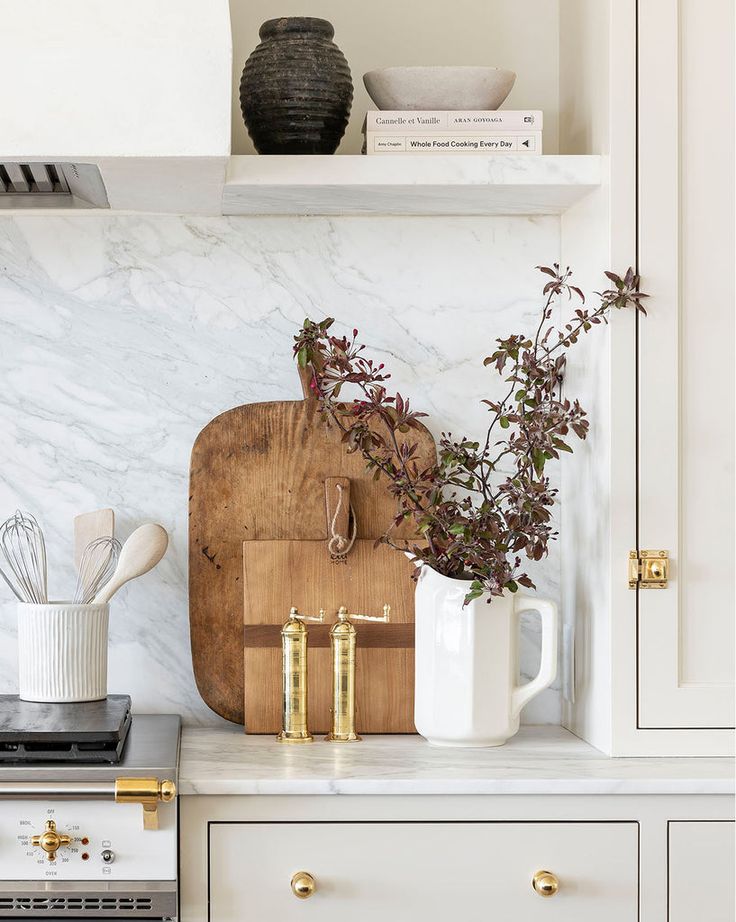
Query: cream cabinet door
point(686, 360)
point(700, 872)
point(423, 871)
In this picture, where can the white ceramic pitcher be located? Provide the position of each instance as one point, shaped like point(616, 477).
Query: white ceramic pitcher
point(467, 690)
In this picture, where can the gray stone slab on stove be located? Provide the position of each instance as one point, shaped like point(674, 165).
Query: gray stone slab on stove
point(80, 731)
point(152, 748)
point(79, 721)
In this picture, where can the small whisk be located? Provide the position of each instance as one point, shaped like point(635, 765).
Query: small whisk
point(97, 565)
point(23, 548)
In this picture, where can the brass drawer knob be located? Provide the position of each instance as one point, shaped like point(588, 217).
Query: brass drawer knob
point(303, 885)
point(545, 883)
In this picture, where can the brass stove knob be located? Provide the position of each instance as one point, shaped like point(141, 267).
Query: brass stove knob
point(545, 883)
point(50, 840)
point(303, 885)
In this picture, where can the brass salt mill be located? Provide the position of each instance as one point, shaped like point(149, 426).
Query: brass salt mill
point(343, 638)
point(294, 669)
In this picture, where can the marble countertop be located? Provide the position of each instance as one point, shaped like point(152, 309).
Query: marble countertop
point(539, 760)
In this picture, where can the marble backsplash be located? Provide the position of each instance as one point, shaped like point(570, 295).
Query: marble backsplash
point(121, 337)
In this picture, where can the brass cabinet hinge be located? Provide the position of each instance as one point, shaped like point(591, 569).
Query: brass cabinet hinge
point(648, 569)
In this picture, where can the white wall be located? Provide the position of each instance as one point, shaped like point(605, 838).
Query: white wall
point(120, 337)
point(586, 71)
point(522, 36)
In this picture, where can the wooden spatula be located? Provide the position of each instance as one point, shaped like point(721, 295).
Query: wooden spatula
point(91, 525)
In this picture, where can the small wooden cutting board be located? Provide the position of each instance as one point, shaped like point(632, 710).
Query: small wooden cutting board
point(281, 574)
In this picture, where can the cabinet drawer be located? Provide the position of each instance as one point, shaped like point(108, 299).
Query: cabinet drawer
point(700, 872)
point(423, 871)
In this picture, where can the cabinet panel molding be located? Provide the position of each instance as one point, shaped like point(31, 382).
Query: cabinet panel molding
point(423, 870)
point(686, 362)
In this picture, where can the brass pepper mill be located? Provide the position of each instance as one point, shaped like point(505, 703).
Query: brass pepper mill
point(343, 638)
point(294, 647)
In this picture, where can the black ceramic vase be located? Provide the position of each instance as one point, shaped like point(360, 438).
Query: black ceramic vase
point(296, 90)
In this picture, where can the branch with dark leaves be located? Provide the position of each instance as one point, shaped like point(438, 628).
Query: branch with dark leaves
point(481, 509)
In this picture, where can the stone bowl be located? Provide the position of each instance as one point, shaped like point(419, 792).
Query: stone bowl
point(451, 88)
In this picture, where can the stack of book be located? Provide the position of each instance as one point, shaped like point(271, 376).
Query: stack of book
point(502, 131)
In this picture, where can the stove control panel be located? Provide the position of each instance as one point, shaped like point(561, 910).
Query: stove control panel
point(85, 840)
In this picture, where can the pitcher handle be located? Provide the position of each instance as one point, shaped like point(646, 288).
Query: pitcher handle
point(522, 694)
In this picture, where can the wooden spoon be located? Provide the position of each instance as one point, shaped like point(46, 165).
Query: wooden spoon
point(140, 553)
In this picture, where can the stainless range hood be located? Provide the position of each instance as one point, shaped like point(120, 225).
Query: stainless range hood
point(123, 106)
point(51, 185)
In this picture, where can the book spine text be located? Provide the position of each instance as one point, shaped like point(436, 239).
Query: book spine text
point(456, 122)
point(521, 143)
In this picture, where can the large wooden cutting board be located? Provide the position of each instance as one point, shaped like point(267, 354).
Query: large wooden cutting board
point(258, 473)
point(384, 676)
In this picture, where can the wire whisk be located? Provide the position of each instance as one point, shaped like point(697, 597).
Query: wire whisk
point(97, 565)
point(23, 550)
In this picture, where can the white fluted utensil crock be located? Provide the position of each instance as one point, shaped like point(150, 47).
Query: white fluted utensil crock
point(62, 651)
point(467, 690)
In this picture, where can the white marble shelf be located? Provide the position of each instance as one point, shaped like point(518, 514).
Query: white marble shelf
point(405, 185)
point(539, 760)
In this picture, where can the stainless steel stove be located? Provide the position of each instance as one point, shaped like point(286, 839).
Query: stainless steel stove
point(93, 841)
